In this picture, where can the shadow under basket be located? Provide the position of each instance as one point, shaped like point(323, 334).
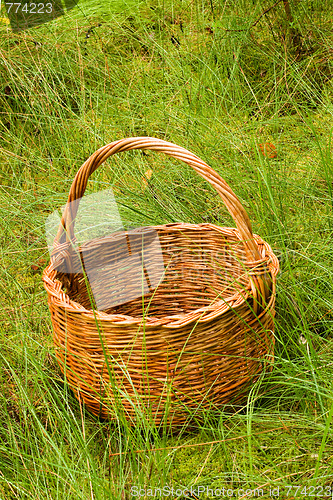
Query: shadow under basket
point(196, 341)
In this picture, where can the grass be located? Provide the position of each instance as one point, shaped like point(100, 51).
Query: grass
point(203, 75)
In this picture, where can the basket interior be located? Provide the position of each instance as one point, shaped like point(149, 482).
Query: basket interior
point(200, 266)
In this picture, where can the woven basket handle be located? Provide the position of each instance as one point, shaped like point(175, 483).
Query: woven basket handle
point(229, 198)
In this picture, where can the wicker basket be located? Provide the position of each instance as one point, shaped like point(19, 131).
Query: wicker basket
point(206, 334)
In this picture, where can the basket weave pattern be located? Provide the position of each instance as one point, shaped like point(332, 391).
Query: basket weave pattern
point(200, 338)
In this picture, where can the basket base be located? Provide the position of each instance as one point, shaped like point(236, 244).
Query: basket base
point(194, 345)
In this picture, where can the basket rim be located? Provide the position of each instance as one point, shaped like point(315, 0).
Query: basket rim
point(200, 315)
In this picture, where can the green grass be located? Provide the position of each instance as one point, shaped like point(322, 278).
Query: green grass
point(199, 74)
